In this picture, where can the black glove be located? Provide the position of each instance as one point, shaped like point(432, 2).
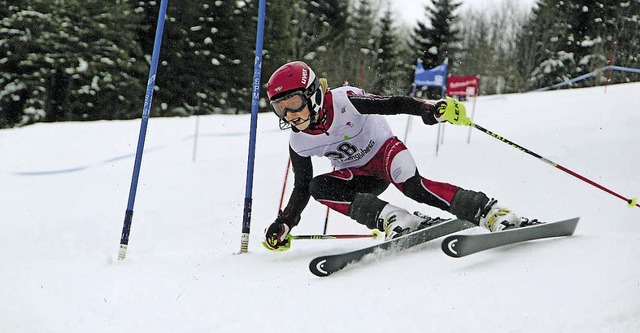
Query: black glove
point(277, 236)
point(430, 113)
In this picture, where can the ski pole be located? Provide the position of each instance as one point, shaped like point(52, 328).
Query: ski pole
point(631, 201)
point(326, 217)
point(284, 184)
point(326, 221)
point(375, 234)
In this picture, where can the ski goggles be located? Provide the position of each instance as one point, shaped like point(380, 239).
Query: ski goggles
point(294, 102)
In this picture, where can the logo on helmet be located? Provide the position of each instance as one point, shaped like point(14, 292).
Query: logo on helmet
point(278, 88)
point(305, 76)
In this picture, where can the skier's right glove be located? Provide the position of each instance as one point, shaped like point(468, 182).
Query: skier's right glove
point(452, 111)
point(277, 236)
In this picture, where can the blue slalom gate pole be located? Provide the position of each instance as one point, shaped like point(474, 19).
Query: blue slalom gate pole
point(128, 217)
point(255, 99)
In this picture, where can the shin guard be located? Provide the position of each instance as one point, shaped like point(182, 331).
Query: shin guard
point(467, 204)
point(366, 208)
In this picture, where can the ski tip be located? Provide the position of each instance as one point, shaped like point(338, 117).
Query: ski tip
point(316, 266)
point(449, 246)
point(572, 224)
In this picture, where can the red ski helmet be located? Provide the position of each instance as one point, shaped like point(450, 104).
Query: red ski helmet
point(295, 79)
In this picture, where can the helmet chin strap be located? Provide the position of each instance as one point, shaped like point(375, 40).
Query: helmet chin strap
point(285, 124)
point(308, 120)
point(313, 117)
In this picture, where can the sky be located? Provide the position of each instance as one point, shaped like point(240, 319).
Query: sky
point(410, 11)
point(64, 189)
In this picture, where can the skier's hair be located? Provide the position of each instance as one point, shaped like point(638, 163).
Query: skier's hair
point(324, 84)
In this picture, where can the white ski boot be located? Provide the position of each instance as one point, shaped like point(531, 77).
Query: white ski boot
point(398, 221)
point(497, 218)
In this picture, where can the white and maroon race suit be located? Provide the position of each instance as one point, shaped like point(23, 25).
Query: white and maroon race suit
point(367, 157)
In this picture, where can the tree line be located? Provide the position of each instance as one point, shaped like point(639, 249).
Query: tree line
point(74, 60)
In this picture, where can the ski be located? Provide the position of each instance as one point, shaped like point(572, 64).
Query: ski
point(463, 245)
point(326, 265)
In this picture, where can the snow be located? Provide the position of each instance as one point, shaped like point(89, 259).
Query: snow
point(65, 188)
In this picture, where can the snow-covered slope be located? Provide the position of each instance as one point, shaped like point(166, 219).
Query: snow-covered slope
point(64, 190)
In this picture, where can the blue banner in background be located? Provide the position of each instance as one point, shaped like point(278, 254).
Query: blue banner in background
point(432, 77)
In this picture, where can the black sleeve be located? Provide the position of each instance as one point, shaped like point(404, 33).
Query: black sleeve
point(303, 173)
point(389, 105)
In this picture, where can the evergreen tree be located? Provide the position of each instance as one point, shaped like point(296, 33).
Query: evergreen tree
point(555, 64)
point(583, 39)
point(310, 31)
point(14, 91)
point(477, 54)
point(527, 53)
point(242, 51)
point(181, 69)
point(67, 61)
point(575, 37)
point(388, 67)
point(490, 38)
point(278, 37)
point(361, 45)
point(325, 41)
point(86, 60)
point(621, 21)
point(440, 41)
point(206, 62)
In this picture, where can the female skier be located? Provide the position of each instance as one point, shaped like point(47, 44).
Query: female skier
point(346, 126)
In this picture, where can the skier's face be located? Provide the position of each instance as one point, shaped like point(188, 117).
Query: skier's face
point(300, 119)
point(294, 110)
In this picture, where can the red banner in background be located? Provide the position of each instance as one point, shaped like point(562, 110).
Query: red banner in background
point(463, 85)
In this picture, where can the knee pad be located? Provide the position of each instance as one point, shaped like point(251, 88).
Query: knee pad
point(403, 167)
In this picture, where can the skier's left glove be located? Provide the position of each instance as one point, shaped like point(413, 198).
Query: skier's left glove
point(452, 111)
point(277, 236)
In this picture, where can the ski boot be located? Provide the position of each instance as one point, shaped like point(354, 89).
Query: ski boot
point(397, 221)
point(497, 218)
